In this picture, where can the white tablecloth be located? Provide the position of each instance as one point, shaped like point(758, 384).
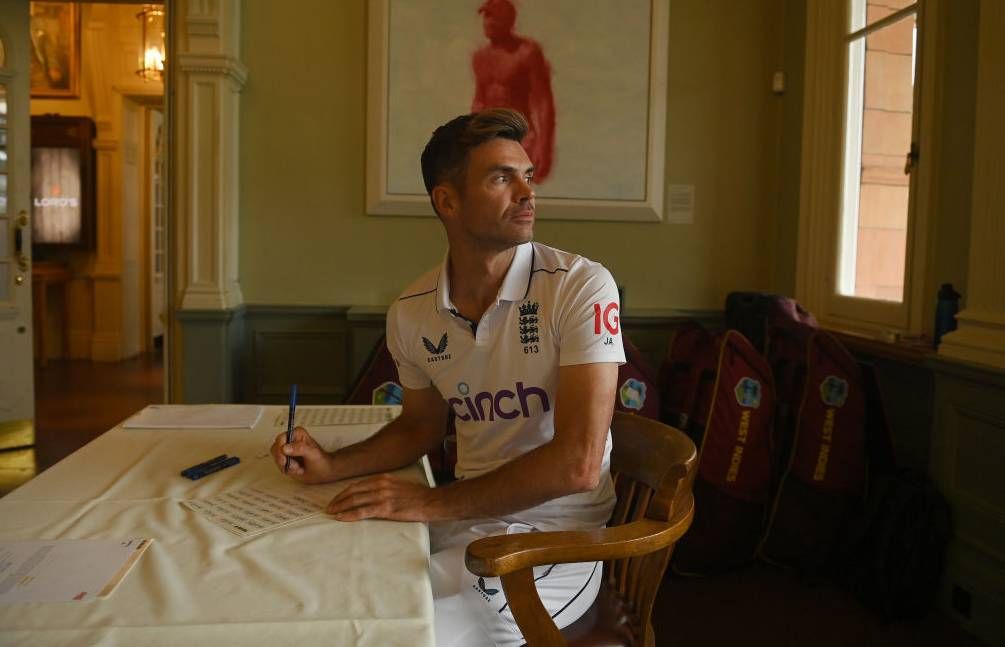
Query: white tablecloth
point(318, 581)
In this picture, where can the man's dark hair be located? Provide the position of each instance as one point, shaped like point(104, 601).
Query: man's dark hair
point(445, 157)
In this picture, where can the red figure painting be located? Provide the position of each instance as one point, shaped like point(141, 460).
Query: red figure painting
point(512, 72)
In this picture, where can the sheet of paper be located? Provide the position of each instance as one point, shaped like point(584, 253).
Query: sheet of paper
point(252, 511)
point(309, 417)
point(65, 570)
point(196, 416)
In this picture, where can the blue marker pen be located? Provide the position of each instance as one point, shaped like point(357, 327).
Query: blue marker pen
point(289, 424)
point(202, 466)
point(215, 467)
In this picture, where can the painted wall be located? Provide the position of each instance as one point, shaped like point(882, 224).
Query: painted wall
point(305, 236)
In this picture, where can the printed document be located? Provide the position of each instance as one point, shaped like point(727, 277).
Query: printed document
point(309, 417)
point(252, 511)
point(65, 570)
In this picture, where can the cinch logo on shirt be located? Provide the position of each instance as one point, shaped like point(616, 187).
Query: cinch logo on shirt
point(501, 403)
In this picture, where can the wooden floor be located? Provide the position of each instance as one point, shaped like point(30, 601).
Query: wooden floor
point(760, 605)
point(763, 606)
point(76, 401)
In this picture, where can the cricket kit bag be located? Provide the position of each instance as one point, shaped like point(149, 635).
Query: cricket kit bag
point(686, 378)
point(825, 478)
point(786, 354)
point(753, 313)
point(733, 487)
point(378, 382)
point(637, 385)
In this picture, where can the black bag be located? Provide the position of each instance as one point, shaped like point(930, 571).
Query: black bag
point(896, 552)
point(755, 313)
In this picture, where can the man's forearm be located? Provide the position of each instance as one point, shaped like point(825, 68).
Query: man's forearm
point(399, 443)
point(540, 475)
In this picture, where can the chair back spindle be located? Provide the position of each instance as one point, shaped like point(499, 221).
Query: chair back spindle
point(653, 468)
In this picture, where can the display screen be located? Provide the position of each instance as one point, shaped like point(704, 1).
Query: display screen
point(56, 205)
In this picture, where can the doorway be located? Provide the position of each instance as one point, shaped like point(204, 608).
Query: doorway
point(99, 327)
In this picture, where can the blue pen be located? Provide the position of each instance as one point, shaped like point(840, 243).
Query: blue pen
point(289, 425)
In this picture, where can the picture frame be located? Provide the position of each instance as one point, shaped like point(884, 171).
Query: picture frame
point(55, 50)
point(607, 64)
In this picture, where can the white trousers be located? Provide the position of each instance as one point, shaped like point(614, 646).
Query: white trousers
point(471, 611)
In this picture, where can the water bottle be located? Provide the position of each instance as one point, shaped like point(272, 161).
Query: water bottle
point(946, 307)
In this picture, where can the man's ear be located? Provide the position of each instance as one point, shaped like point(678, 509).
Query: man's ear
point(446, 200)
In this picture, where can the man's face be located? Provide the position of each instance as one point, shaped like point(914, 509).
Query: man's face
point(496, 207)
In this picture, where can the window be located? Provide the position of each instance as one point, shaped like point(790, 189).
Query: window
point(862, 224)
point(879, 110)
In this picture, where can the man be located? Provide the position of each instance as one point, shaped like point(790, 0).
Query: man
point(512, 71)
point(522, 342)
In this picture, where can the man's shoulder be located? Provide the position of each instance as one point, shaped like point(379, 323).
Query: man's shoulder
point(422, 288)
point(407, 312)
point(552, 261)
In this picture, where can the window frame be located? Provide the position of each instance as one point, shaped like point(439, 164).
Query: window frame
point(821, 180)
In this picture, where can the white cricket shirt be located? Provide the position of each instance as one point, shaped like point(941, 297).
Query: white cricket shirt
point(500, 376)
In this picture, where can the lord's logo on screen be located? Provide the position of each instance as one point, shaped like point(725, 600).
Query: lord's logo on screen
point(46, 201)
point(55, 198)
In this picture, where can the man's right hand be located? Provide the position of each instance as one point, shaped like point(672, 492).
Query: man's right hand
point(309, 463)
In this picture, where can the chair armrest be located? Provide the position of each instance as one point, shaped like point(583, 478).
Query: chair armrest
point(503, 554)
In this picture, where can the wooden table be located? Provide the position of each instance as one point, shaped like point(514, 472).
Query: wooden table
point(317, 581)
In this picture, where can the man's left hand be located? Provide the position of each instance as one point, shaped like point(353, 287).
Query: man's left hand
point(381, 497)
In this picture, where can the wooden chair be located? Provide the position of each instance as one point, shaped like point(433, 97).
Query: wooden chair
point(653, 466)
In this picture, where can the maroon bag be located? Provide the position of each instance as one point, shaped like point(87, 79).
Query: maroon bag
point(687, 376)
point(786, 353)
point(378, 381)
point(637, 386)
point(734, 484)
point(826, 474)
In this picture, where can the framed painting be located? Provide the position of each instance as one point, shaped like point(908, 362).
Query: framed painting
point(589, 76)
point(55, 50)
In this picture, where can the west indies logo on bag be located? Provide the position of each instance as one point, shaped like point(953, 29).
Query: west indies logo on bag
point(834, 391)
point(748, 393)
point(633, 394)
point(387, 393)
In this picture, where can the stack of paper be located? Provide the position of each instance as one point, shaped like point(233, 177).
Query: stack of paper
point(196, 416)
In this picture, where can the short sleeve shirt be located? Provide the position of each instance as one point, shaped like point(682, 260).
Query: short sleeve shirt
point(500, 376)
